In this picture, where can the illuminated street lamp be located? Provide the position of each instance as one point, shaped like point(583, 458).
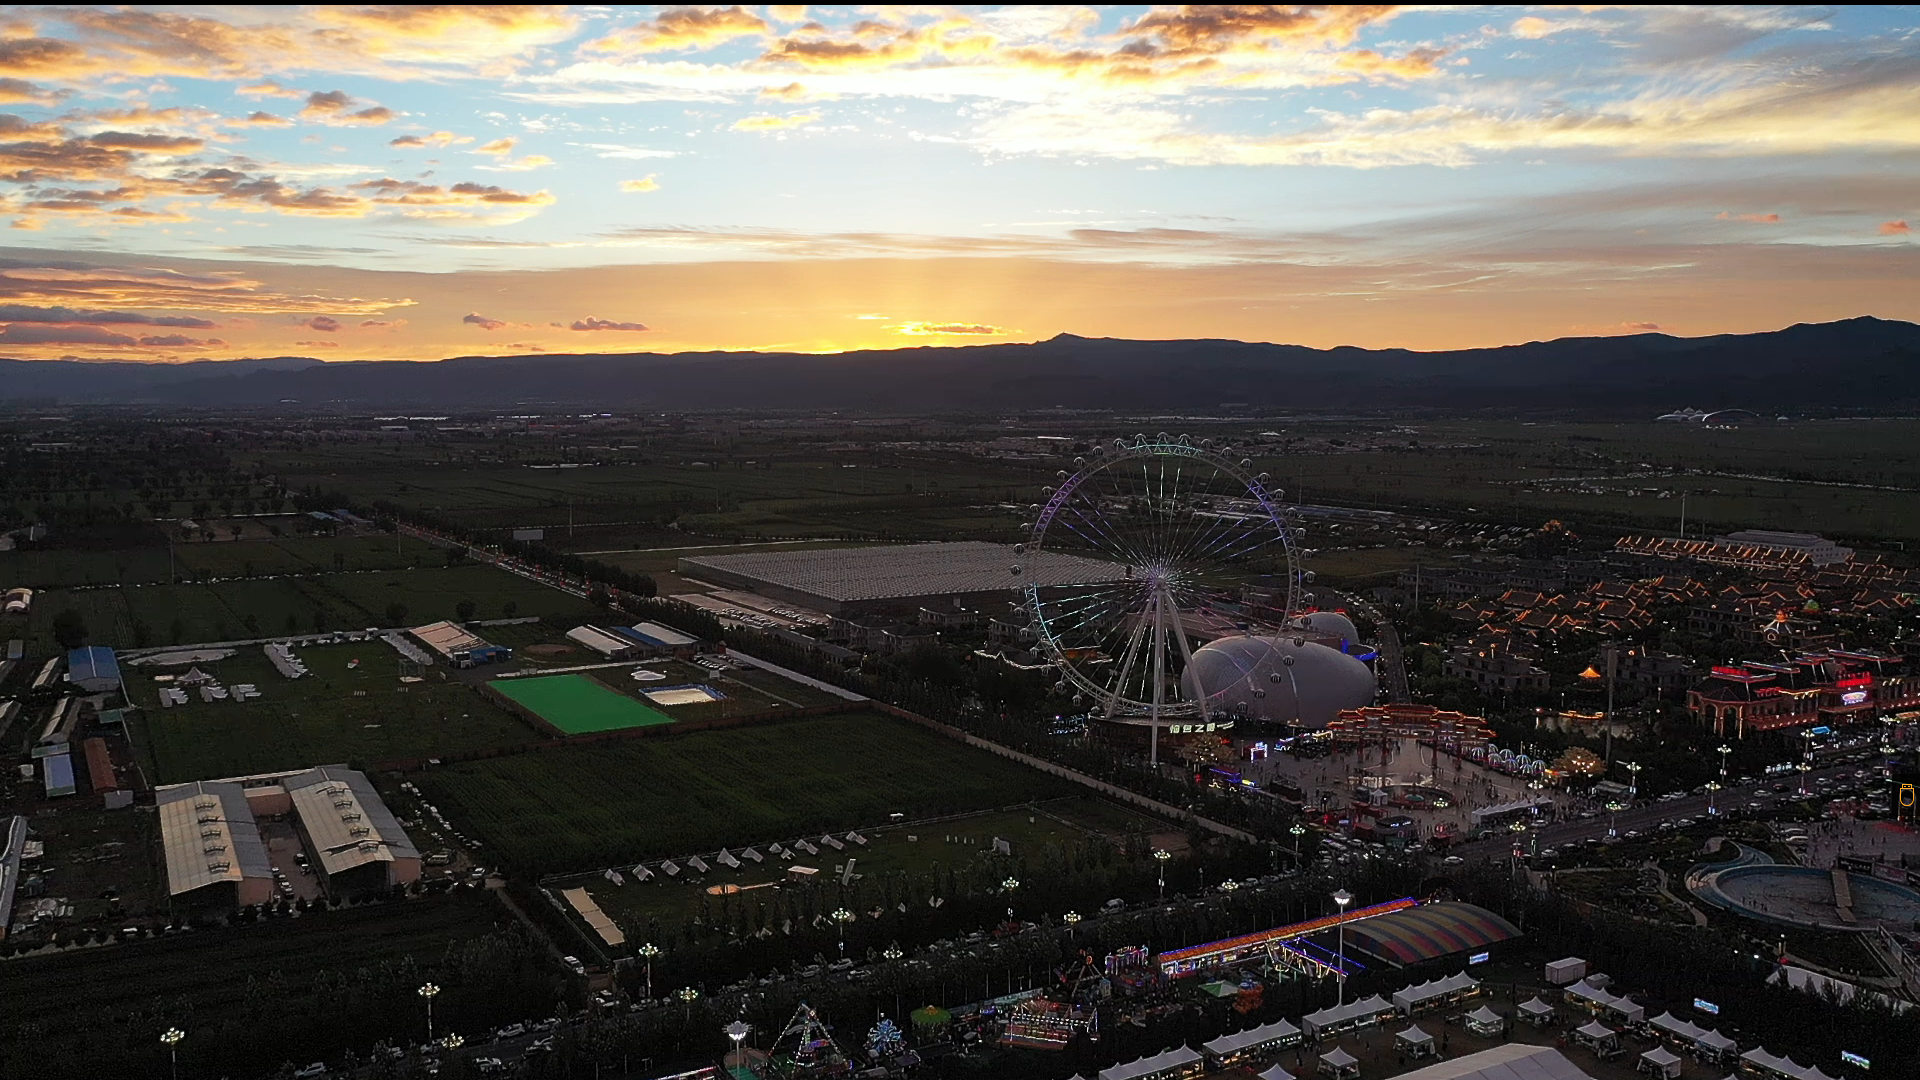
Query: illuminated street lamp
point(1161, 855)
point(1229, 886)
point(453, 1041)
point(1008, 886)
point(1298, 830)
point(892, 952)
point(1613, 817)
point(1713, 788)
point(1072, 919)
point(841, 917)
point(1723, 751)
point(429, 991)
point(1805, 768)
point(1633, 786)
point(646, 953)
point(688, 995)
point(171, 1037)
point(1342, 898)
point(737, 1031)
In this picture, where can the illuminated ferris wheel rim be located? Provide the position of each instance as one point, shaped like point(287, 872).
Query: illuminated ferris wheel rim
point(1141, 448)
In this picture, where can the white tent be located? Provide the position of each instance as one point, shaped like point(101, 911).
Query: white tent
point(1279, 1033)
point(1484, 1021)
point(1412, 998)
point(1661, 1062)
point(1180, 1061)
point(1352, 1014)
point(1599, 1038)
point(1414, 1041)
point(1276, 1073)
point(1339, 1064)
point(1537, 1011)
point(1514, 1061)
point(1769, 1065)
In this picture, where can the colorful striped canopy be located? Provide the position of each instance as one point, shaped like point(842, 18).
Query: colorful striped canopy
point(1429, 932)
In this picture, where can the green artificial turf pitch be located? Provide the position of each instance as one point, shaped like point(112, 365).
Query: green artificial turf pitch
point(577, 705)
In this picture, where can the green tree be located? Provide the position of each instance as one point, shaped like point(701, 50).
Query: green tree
point(464, 609)
point(396, 613)
point(69, 629)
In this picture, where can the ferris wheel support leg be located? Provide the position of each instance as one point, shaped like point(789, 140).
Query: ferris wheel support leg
point(1126, 668)
point(1186, 655)
point(1159, 673)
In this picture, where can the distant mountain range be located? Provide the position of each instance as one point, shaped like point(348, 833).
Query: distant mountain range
point(1863, 364)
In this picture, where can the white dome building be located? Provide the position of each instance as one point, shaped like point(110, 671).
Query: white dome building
point(1285, 679)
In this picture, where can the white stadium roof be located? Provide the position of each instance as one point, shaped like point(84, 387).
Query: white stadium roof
point(901, 571)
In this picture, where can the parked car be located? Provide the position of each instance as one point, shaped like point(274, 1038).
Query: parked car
point(308, 1072)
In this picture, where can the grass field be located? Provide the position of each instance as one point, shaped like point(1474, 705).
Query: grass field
point(218, 558)
point(577, 704)
point(911, 849)
point(148, 615)
point(336, 714)
point(593, 806)
point(318, 984)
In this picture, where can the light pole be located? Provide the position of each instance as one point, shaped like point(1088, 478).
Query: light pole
point(1713, 789)
point(1613, 818)
point(1342, 898)
point(646, 953)
point(453, 1041)
point(429, 991)
point(841, 917)
point(172, 1037)
point(1009, 885)
point(1806, 760)
point(1072, 919)
point(737, 1031)
point(1161, 855)
point(1633, 785)
point(1298, 830)
point(1723, 751)
point(688, 995)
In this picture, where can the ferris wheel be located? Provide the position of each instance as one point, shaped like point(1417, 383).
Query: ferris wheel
point(1177, 530)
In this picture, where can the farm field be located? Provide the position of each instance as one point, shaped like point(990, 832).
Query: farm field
point(202, 559)
point(577, 808)
point(907, 848)
point(320, 983)
point(578, 705)
point(336, 714)
point(138, 616)
point(746, 691)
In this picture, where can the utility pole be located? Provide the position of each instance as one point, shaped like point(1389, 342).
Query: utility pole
point(1683, 515)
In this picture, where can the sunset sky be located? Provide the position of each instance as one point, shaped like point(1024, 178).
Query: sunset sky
point(419, 182)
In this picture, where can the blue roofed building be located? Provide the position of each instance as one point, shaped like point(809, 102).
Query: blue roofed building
point(93, 669)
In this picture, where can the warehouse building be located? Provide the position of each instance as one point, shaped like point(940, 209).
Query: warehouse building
point(609, 645)
point(94, 670)
point(657, 640)
point(215, 856)
point(898, 579)
point(459, 646)
point(356, 842)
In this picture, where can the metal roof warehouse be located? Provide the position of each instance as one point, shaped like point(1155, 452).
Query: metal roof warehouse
point(840, 580)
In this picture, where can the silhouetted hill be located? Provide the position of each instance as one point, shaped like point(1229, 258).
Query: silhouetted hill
point(1863, 363)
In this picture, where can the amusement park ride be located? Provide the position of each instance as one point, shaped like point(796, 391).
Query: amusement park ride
point(1169, 642)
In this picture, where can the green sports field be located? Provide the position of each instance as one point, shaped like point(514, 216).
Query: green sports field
point(577, 705)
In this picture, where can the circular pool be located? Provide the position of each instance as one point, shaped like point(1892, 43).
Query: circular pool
point(1803, 896)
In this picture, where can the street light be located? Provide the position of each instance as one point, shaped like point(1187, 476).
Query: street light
point(1161, 855)
point(1298, 830)
point(688, 995)
point(1342, 898)
point(429, 991)
point(453, 1041)
point(172, 1037)
point(1008, 886)
point(1804, 768)
point(1613, 817)
point(841, 917)
point(647, 952)
point(1072, 919)
point(1723, 751)
point(1633, 787)
point(1713, 788)
point(892, 952)
point(737, 1031)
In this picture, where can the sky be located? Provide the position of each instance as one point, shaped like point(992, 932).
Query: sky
point(365, 183)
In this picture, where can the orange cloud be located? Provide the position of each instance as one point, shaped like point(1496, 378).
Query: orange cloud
point(318, 344)
point(1531, 26)
point(438, 138)
point(640, 186)
point(925, 329)
point(1759, 219)
point(20, 91)
point(266, 119)
point(793, 91)
point(332, 107)
point(498, 147)
point(326, 324)
point(268, 88)
point(684, 28)
point(1894, 228)
point(1416, 64)
point(591, 323)
point(485, 323)
point(1214, 28)
point(775, 123)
